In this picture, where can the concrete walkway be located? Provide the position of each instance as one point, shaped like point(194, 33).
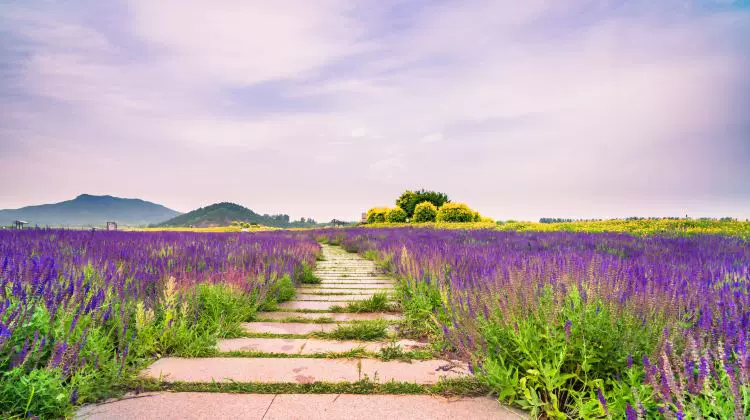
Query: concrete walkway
point(345, 278)
point(199, 405)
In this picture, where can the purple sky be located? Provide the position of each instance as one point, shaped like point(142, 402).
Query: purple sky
point(323, 108)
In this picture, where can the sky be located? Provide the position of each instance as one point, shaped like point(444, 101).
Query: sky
point(521, 109)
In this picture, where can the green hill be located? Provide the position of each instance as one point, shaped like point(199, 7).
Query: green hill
point(223, 214)
point(90, 210)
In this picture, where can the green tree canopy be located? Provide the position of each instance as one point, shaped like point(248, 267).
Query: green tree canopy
point(409, 200)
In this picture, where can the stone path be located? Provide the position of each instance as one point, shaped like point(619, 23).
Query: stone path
point(345, 278)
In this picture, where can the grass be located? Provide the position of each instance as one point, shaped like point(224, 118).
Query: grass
point(303, 311)
point(300, 320)
point(386, 354)
point(351, 354)
point(358, 330)
point(283, 290)
point(396, 352)
point(305, 275)
point(328, 293)
point(376, 303)
point(448, 387)
point(274, 335)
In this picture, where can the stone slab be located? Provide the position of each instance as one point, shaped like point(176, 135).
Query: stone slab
point(296, 304)
point(286, 327)
point(299, 370)
point(378, 407)
point(343, 317)
point(354, 281)
point(333, 292)
point(179, 406)
point(304, 346)
point(314, 345)
point(208, 405)
point(336, 265)
point(358, 273)
point(265, 345)
point(346, 267)
point(332, 298)
point(364, 287)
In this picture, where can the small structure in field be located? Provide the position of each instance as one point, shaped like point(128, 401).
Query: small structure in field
point(336, 222)
point(111, 226)
point(19, 223)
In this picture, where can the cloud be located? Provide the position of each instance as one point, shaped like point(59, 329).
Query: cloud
point(432, 138)
point(543, 107)
point(387, 169)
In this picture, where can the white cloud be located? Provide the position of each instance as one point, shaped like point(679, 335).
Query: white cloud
point(432, 138)
point(246, 42)
point(387, 169)
point(516, 98)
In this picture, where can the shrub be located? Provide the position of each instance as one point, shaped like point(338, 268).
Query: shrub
point(425, 212)
point(395, 215)
point(376, 215)
point(305, 275)
point(455, 212)
point(409, 200)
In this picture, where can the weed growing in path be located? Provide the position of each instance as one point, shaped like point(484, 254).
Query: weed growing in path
point(376, 303)
point(358, 330)
point(395, 352)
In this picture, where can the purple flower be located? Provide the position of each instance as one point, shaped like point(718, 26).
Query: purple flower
point(630, 413)
point(602, 401)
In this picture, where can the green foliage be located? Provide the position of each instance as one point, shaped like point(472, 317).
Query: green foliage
point(420, 302)
point(376, 303)
point(281, 290)
point(190, 323)
point(376, 215)
point(305, 275)
point(409, 199)
point(394, 351)
point(455, 213)
point(225, 309)
point(395, 215)
point(39, 392)
point(225, 214)
point(425, 212)
point(448, 387)
point(359, 330)
point(552, 360)
point(299, 319)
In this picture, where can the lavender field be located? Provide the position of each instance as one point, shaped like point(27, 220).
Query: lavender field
point(581, 325)
point(558, 324)
point(80, 311)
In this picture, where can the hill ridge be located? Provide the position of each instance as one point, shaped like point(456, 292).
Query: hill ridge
point(225, 212)
point(90, 210)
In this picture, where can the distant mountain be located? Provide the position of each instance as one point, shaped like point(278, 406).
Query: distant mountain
point(223, 214)
point(90, 210)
